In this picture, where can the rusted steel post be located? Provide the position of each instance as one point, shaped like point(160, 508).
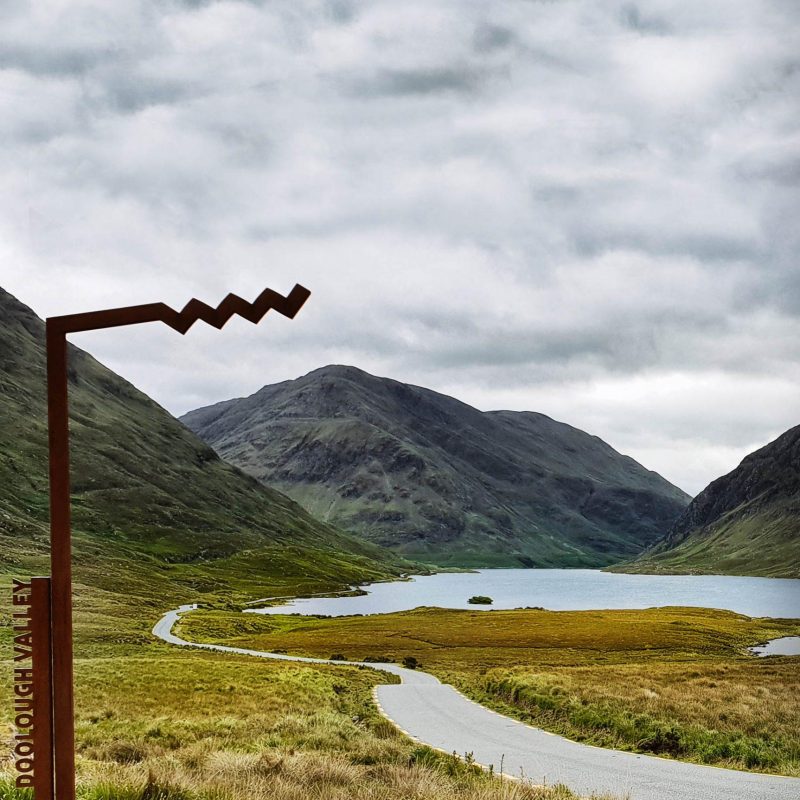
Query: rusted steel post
point(60, 563)
point(61, 679)
point(43, 783)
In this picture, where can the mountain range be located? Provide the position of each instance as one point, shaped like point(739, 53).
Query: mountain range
point(403, 468)
point(437, 480)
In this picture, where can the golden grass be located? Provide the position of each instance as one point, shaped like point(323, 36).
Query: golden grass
point(296, 775)
point(743, 715)
point(675, 682)
point(187, 725)
point(155, 722)
point(442, 638)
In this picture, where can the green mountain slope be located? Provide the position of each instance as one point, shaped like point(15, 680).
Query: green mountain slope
point(745, 523)
point(438, 480)
point(153, 506)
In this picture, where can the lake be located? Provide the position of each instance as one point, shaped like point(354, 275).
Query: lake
point(562, 590)
point(785, 646)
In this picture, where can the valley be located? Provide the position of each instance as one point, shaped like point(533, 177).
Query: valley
point(149, 498)
point(745, 523)
point(160, 519)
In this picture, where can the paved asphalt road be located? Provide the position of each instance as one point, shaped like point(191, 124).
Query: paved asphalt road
point(439, 716)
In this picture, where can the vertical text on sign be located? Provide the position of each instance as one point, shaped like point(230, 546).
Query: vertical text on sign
point(23, 682)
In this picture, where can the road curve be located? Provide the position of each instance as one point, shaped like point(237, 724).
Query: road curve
point(441, 717)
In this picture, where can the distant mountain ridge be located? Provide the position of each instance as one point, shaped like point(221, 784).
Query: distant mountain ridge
point(436, 479)
point(746, 522)
point(152, 504)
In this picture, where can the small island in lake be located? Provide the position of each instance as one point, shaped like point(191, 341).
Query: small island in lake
point(480, 600)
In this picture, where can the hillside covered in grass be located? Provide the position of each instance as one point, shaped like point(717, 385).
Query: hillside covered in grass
point(153, 506)
point(744, 523)
point(436, 479)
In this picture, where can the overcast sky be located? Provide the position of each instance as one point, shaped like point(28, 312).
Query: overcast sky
point(587, 208)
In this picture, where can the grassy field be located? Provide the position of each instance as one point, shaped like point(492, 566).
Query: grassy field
point(158, 723)
point(673, 682)
point(174, 726)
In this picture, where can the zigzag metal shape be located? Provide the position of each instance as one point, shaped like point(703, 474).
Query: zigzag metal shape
point(254, 312)
point(181, 321)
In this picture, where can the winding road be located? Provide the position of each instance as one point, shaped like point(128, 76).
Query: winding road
point(437, 715)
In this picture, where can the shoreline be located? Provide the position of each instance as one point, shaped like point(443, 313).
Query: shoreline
point(601, 590)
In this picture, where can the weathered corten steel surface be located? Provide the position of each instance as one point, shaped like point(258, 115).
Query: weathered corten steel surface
point(60, 526)
point(181, 321)
point(33, 741)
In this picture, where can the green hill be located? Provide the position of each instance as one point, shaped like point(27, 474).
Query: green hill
point(744, 523)
point(438, 480)
point(154, 507)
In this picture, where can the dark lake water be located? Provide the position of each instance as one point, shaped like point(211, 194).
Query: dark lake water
point(563, 589)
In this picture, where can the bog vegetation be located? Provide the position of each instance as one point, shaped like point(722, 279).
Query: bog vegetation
point(671, 682)
point(155, 722)
point(173, 725)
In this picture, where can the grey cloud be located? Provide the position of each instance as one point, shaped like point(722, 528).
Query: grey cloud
point(127, 94)
point(705, 247)
point(588, 351)
point(197, 4)
point(53, 62)
point(421, 81)
point(488, 38)
point(341, 11)
point(522, 203)
point(633, 17)
point(536, 350)
point(783, 170)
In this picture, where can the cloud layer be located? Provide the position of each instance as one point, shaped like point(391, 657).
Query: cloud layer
point(582, 208)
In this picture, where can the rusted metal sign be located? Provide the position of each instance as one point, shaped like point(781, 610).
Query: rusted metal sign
point(53, 765)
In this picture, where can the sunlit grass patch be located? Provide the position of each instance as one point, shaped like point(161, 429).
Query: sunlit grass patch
point(671, 682)
point(186, 725)
point(741, 714)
